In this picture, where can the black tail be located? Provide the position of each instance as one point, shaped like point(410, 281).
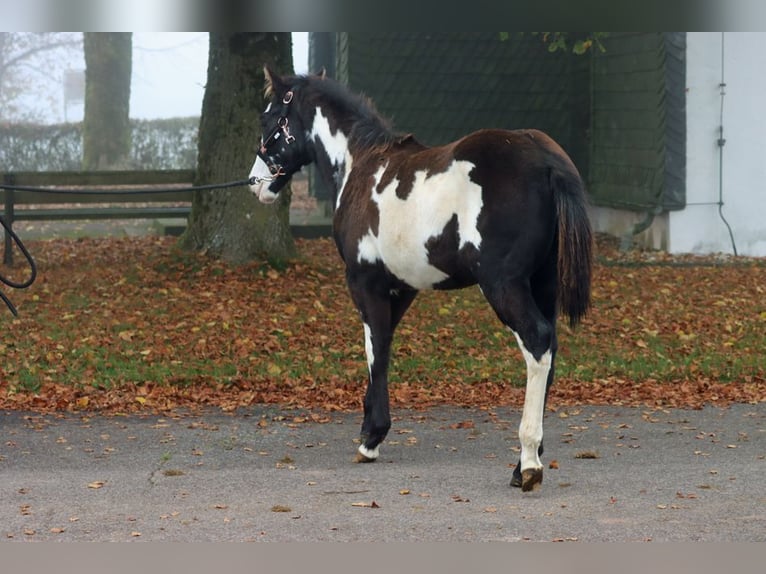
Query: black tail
point(575, 244)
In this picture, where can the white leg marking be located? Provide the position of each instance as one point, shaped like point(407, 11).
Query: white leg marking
point(372, 454)
point(368, 348)
point(531, 427)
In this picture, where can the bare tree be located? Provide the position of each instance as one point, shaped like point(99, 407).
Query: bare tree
point(106, 127)
point(32, 66)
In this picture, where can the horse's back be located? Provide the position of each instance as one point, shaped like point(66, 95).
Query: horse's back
point(512, 150)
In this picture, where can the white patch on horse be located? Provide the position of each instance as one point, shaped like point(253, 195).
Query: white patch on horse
point(531, 426)
point(406, 225)
point(336, 147)
point(260, 171)
point(367, 250)
point(368, 348)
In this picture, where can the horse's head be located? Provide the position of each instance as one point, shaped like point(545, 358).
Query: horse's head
point(282, 151)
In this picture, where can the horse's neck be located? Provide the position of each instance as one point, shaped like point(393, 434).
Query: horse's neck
point(332, 154)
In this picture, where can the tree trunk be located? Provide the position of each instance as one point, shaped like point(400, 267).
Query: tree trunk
point(106, 125)
point(232, 223)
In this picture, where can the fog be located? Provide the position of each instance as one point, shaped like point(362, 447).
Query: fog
point(168, 78)
point(170, 70)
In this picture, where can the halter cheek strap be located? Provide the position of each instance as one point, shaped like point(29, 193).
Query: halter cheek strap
point(280, 129)
point(282, 124)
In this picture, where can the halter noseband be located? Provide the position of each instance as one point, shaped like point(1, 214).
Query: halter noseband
point(281, 129)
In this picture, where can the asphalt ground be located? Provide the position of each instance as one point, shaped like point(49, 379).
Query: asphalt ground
point(266, 474)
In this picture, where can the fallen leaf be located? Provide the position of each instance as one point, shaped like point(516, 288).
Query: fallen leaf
point(467, 424)
point(586, 454)
point(96, 484)
point(554, 464)
point(372, 504)
point(404, 491)
point(172, 472)
point(281, 508)
point(56, 530)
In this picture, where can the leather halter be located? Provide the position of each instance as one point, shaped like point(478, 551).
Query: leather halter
point(281, 129)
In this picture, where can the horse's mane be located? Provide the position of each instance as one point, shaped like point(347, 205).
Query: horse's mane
point(357, 113)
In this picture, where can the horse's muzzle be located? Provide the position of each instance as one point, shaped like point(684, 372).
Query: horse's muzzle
point(260, 179)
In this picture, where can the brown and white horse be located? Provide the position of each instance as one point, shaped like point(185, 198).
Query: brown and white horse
point(502, 209)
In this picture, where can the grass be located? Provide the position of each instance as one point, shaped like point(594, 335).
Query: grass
point(131, 312)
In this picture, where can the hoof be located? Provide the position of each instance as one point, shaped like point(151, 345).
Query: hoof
point(531, 479)
point(359, 457)
point(516, 476)
point(364, 454)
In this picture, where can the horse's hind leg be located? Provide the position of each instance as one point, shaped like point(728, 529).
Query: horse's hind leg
point(517, 309)
point(543, 285)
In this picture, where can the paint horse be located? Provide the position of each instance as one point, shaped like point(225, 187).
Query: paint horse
point(502, 209)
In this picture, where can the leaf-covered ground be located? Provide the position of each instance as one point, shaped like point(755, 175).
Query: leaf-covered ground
point(134, 325)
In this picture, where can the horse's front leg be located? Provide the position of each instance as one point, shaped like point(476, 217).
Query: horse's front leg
point(380, 314)
point(377, 348)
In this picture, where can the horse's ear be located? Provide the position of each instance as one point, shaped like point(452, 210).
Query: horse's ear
point(274, 84)
point(322, 74)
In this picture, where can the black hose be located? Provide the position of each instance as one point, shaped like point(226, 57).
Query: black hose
point(32, 268)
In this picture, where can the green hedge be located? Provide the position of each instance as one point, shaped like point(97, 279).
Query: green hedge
point(156, 144)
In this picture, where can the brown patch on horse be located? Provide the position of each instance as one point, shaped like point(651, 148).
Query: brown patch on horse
point(357, 213)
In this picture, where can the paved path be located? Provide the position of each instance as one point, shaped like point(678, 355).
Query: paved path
point(264, 474)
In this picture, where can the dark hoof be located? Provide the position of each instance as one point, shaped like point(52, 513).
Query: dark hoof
point(359, 457)
point(516, 478)
point(531, 479)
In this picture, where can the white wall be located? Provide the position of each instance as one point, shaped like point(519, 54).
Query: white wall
point(698, 228)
